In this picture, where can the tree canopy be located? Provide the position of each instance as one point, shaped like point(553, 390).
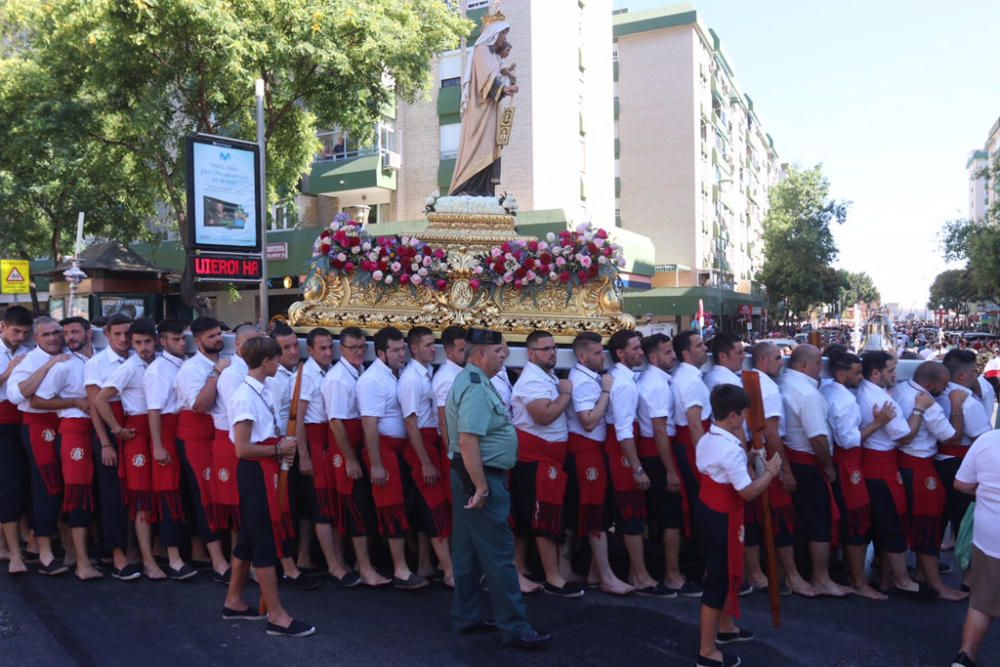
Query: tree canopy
point(857, 287)
point(144, 74)
point(952, 290)
point(799, 247)
point(978, 244)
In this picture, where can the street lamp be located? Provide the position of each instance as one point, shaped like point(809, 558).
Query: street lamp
point(74, 275)
point(262, 147)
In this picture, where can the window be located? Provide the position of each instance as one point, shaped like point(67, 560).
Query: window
point(618, 217)
point(387, 137)
point(450, 135)
point(476, 4)
point(450, 69)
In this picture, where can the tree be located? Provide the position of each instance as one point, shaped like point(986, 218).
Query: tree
point(858, 287)
point(798, 245)
point(952, 290)
point(978, 244)
point(149, 72)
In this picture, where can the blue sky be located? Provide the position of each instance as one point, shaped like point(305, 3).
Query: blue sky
point(889, 96)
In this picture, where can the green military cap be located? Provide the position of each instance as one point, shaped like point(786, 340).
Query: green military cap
point(483, 337)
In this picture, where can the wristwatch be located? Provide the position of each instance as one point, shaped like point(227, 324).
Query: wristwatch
point(638, 471)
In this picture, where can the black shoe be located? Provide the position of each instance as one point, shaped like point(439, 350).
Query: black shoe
point(183, 573)
point(727, 661)
point(567, 590)
point(224, 577)
point(248, 614)
point(746, 589)
point(740, 635)
point(302, 582)
point(349, 580)
point(530, 639)
point(483, 626)
point(657, 591)
point(296, 629)
point(411, 583)
point(963, 660)
point(923, 592)
point(54, 568)
point(688, 590)
point(128, 573)
point(944, 568)
point(965, 588)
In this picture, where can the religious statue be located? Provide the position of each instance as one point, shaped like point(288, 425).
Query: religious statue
point(484, 83)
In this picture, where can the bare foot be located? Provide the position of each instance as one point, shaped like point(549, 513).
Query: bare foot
point(85, 572)
point(527, 585)
point(642, 583)
point(616, 586)
point(803, 588)
point(449, 581)
point(832, 589)
point(373, 579)
point(758, 582)
point(17, 568)
point(867, 591)
point(951, 595)
point(154, 573)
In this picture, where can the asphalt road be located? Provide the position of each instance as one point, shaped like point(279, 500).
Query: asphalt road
point(64, 621)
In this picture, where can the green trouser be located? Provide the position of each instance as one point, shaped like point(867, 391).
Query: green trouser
point(482, 544)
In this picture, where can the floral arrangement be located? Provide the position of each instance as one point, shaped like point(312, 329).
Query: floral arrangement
point(502, 205)
point(346, 249)
point(570, 258)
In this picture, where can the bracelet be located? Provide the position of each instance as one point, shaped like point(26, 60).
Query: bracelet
point(606, 391)
point(918, 411)
point(565, 393)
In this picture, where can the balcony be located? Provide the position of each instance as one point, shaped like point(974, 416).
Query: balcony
point(349, 169)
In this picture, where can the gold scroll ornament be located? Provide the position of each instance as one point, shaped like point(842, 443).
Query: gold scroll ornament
point(505, 126)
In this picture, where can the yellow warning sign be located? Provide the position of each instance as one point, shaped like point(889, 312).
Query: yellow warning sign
point(15, 276)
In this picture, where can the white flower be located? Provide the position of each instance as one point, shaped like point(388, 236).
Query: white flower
point(602, 259)
point(395, 266)
point(538, 280)
point(355, 250)
point(621, 261)
point(542, 246)
point(414, 266)
point(428, 260)
point(599, 242)
point(414, 242)
point(495, 252)
point(477, 269)
point(377, 275)
point(405, 240)
point(422, 272)
point(388, 280)
point(366, 246)
point(342, 257)
point(416, 280)
point(550, 237)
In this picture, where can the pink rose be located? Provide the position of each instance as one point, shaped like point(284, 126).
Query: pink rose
point(474, 283)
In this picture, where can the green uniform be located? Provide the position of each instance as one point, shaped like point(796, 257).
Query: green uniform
point(482, 541)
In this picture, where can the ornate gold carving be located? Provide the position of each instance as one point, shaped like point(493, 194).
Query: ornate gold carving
point(334, 302)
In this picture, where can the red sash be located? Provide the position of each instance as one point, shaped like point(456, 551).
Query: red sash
point(9, 414)
point(647, 449)
point(433, 494)
point(167, 477)
point(630, 500)
point(319, 438)
point(880, 465)
point(851, 480)
point(389, 502)
point(803, 459)
point(958, 451)
point(77, 463)
point(42, 429)
point(344, 484)
point(281, 524)
point(591, 477)
point(684, 437)
point(550, 479)
point(197, 431)
point(138, 467)
point(925, 526)
point(224, 513)
point(724, 499)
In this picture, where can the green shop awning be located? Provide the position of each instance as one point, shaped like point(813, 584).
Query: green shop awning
point(663, 301)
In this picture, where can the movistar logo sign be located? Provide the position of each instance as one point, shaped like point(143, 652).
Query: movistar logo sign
point(224, 156)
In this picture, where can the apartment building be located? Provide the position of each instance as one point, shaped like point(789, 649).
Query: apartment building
point(984, 192)
point(693, 162)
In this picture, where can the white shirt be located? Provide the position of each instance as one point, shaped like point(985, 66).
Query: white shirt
point(689, 391)
point(586, 393)
point(442, 381)
point(975, 420)
point(501, 382)
point(720, 455)
point(805, 411)
point(774, 405)
point(870, 396)
point(988, 397)
point(719, 374)
point(279, 388)
point(127, 380)
point(934, 426)
point(6, 356)
point(32, 362)
point(65, 380)
point(981, 465)
point(656, 400)
point(416, 395)
point(159, 384)
point(312, 391)
point(377, 398)
point(534, 384)
point(227, 384)
point(340, 391)
point(191, 378)
point(249, 400)
point(843, 416)
point(100, 367)
point(623, 407)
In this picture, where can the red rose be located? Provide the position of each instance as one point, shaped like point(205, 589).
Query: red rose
point(592, 271)
point(592, 249)
point(529, 263)
point(326, 234)
point(348, 267)
point(518, 284)
point(564, 277)
point(337, 264)
point(520, 273)
point(601, 234)
point(405, 278)
point(582, 275)
point(439, 254)
point(441, 284)
point(533, 246)
point(474, 283)
point(545, 258)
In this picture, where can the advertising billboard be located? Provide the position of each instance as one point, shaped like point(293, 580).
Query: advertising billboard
point(223, 191)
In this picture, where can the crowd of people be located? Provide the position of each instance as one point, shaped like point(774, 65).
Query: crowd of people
point(158, 460)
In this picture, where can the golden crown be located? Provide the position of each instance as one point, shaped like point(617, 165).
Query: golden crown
point(493, 15)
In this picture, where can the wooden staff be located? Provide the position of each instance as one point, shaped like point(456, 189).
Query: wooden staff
point(756, 422)
point(293, 413)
